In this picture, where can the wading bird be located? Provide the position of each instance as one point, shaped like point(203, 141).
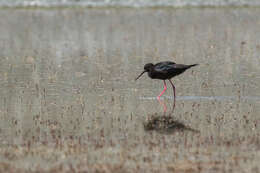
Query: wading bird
point(165, 71)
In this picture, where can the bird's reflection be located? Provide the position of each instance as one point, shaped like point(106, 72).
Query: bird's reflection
point(165, 107)
point(165, 124)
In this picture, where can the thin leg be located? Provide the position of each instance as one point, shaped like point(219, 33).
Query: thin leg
point(164, 106)
point(173, 87)
point(165, 88)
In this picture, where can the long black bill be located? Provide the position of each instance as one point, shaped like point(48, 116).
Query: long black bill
point(140, 75)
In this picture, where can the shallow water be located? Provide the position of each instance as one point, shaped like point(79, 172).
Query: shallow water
point(68, 94)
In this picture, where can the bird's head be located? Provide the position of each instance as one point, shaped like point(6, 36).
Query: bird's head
point(147, 68)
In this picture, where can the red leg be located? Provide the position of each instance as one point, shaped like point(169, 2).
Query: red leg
point(164, 106)
point(165, 88)
point(173, 87)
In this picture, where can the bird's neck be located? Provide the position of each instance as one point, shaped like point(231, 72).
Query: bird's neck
point(151, 74)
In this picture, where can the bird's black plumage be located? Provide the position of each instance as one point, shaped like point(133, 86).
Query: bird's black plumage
point(164, 70)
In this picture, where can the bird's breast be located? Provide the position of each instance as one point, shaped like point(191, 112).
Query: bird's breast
point(151, 75)
point(155, 75)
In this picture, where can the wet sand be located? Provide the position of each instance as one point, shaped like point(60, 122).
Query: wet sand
point(69, 102)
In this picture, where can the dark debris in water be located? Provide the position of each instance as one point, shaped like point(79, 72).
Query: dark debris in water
point(165, 124)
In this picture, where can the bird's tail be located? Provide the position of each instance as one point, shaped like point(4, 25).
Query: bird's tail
point(193, 65)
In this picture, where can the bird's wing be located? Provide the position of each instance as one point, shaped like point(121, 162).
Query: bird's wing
point(164, 67)
point(180, 66)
